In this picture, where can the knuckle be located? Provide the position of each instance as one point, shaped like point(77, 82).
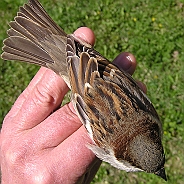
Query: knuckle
point(12, 151)
point(38, 175)
point(27, 169)
point(12, 155)
point(43, 96)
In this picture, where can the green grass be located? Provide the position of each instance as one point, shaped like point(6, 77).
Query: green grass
point(154, 32)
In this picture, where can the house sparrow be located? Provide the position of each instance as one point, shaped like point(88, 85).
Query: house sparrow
point(120, 119)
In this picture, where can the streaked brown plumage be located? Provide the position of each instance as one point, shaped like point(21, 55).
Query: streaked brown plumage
point(118, 116)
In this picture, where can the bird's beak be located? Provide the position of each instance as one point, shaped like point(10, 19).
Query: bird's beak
point(161, 173)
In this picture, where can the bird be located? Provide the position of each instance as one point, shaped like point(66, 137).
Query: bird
point(124, 126)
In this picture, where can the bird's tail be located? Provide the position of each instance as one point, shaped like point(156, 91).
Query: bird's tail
point(35, 38)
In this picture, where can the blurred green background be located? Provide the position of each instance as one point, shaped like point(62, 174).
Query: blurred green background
point(154, 32)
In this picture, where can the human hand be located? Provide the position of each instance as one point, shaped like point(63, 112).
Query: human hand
point(43, 144)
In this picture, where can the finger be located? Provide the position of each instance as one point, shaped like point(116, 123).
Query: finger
point(18, 103)
point(126, 61)
point(75, 149)
point(142, 86)
point(55, 129)
point(71, 155)
point(85, 34)
point(39, 99)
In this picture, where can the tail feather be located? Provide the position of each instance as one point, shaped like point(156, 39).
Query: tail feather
point(16, 49)
point(35, 38)
point(38, 12)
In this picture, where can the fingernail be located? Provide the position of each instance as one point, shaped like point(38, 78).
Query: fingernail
point(123, 61)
